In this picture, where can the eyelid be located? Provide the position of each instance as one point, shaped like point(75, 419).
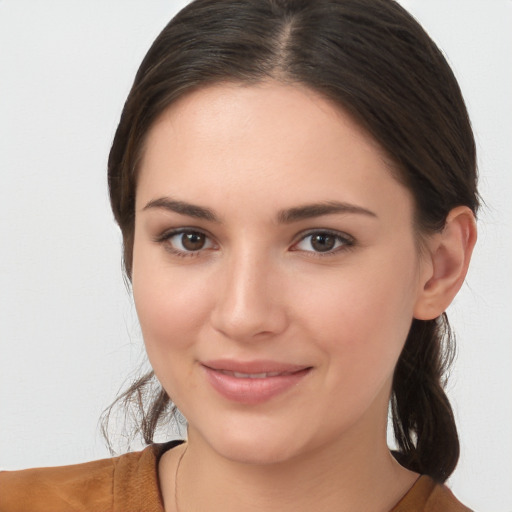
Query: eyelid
point(170, 233)
point(348, 241)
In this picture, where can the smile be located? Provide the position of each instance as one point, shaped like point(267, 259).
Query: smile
point(254, 382)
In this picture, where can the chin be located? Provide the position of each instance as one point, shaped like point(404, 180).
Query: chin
point(259, 443)
point(254, 451)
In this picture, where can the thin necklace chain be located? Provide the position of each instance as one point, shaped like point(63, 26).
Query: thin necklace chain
point(176, 505)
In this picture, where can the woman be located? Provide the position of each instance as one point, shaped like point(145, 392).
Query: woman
point(295, 182)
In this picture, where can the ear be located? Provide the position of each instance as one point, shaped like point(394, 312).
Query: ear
point(449, 253)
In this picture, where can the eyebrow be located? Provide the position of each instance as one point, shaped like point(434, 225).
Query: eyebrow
point(183, 208)
point(308, 211)
point(286, 216)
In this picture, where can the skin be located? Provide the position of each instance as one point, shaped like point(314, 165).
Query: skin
point(259, 289)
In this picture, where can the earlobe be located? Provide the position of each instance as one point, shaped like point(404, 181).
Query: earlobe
point(450, 253)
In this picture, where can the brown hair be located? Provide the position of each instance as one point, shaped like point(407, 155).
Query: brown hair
point(375, 61)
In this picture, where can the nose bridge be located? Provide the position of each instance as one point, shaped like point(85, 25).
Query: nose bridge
point(248, 303)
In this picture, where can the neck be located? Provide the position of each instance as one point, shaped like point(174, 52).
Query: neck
point(335, 478)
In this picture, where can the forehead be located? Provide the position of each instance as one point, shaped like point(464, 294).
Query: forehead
point(230, 139)
point(231, 110)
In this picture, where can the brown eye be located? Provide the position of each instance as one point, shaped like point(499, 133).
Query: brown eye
point(186, 242)
point(323, 242)
point(193, 241)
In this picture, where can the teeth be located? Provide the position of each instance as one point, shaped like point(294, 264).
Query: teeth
point(239, 375)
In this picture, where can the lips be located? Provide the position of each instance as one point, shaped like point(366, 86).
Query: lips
point(252, 382)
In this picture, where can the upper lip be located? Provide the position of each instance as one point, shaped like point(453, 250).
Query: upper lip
point(253, 367)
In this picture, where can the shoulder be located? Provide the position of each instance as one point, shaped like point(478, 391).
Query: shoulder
point(442, 498)
point(428, 496)
point(76, 487)
point(100, 486)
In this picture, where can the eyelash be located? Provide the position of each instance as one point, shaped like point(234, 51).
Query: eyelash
point(166, 237)
point(345, 241)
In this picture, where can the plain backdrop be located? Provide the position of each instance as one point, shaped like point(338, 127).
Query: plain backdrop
point(68, 333)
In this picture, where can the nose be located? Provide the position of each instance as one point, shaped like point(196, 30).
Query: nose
point(249, 305)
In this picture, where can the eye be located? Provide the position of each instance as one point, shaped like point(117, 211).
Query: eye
point(323, 242)
point(185, 242)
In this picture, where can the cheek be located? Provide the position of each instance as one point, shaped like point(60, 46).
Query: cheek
point(170, 303)
point(363, 316)
point(171, 311)
point(362, 300)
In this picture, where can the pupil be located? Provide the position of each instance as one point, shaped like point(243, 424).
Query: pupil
point(323, 243)
point(192, 241)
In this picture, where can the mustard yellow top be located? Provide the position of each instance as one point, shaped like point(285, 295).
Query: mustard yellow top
point(129, 483)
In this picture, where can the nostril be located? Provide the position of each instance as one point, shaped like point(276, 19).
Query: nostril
point(249, 323)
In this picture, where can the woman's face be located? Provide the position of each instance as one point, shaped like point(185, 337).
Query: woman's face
point(275, 270)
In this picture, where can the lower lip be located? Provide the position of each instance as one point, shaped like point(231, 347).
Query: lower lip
point(252, 391)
